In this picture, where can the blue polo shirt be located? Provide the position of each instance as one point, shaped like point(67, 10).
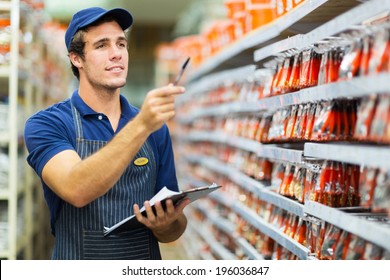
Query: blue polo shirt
point(52, 130)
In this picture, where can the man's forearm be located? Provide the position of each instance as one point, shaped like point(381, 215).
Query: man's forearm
point(81, 181)
point(105, 167)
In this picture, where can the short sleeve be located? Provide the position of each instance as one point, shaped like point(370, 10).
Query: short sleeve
point(45, 136)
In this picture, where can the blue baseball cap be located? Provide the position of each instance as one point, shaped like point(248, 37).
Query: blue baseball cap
point(88, 16)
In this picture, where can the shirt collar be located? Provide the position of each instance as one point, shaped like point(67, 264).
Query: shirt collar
point(85, 110)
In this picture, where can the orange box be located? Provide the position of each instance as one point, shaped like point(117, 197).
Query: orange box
point(227, 29)
point(281, 7)
point(259, 15)
point(211, 34)
point(5, 43)
point(189, 46)
point(260, 1)
point(241, 19)
point(234, 6)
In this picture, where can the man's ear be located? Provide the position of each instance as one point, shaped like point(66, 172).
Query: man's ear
point(75, 59)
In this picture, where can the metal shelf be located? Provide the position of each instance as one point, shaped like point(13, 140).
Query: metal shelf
point(305, 17)
point(335, 26)
point(4, 194)
point(4, 71)
point(193, 182)
point(14, 81)
point(223, 110)
point(207, 136)
point(271, 40)
point(221, 223)
point(293, 246)
point(4, 138)
point(212, 111)
point(247, 182)
point(285, 203)
point(206, 256)
point(236, 176)
point(229, 228)
point(211, 163)
point(191, 234)
point(354, 88)
point(250, 185)
point(294, 42)
point(215, 246)
point(290, 244)
point(5, 6)
point(268, 151)
point(367, 155)
point(247, 248)
point(211, 81)
point(222, 199)
point(368, 230)
point(281, 154)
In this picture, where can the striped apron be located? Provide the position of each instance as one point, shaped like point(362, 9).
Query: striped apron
point(79, 231)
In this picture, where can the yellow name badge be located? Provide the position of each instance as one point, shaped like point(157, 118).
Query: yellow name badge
point(141, 161)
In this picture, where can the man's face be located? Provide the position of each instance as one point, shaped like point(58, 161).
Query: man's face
point(106, 56)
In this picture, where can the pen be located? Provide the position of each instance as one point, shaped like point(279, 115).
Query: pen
point(181, 71)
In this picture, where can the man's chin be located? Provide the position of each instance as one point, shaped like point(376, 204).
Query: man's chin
point(118, 84)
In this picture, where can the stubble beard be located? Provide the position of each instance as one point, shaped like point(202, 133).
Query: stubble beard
point(110, 87)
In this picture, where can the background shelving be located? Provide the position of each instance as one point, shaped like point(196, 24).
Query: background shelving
point(228, 228)
point(360, 226)
point(10, 148)
point(339, 24)
point(354, 88)
point(366, 155)
point(304, 17)
point(23, 234)
point(202, 144)
point(257, 188)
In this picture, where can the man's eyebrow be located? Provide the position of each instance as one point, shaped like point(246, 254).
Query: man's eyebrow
point(103, 40)
point(122, 39)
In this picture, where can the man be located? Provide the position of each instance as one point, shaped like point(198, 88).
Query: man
point(99, 157)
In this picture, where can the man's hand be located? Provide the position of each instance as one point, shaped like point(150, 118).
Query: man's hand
point(166, 225)
point(159, 106)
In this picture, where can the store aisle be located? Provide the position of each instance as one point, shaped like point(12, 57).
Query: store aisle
point(173, 251)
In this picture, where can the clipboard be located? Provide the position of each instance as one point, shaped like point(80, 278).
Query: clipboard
point(163, 195)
